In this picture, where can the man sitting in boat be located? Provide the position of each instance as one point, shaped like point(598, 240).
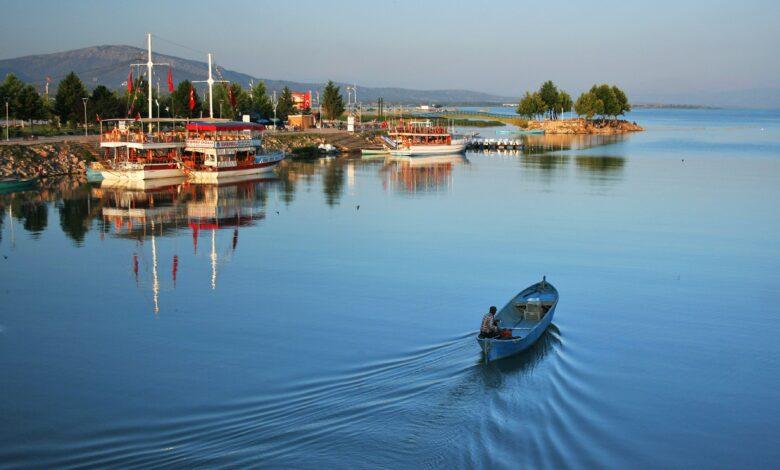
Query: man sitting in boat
point(489, 328)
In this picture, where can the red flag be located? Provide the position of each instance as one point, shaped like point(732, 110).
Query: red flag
point(138, 117)
point(97, 117)
point(231, 97)
point(192, 97)
point(48, 78)
point(130, 81)
point(170, 80)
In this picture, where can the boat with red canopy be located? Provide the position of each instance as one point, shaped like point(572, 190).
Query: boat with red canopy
point(422, 138)
point(218, 151)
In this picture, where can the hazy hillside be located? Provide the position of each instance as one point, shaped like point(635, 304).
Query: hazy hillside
point(109, 65)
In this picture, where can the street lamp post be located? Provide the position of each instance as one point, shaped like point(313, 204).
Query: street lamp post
point(6, 121)
point(85, 116)
point(274, 102)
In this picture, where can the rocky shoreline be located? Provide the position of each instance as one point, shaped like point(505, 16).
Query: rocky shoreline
point(43, 160)
point(585, 126)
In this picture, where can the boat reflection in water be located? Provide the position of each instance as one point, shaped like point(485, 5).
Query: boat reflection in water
point(142, 210)
point(413, 175)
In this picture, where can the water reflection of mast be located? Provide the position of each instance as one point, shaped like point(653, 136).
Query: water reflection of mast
point(155, 280)
point(11, 224)
point(213, 259)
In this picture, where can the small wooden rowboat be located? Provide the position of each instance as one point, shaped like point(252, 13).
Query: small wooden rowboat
point(526, 316)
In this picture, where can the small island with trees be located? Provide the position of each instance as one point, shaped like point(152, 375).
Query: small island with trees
point(598, 108)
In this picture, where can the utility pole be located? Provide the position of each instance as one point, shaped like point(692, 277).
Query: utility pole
point(85, 116)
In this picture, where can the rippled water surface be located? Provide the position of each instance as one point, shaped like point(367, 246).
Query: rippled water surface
point(326, 317)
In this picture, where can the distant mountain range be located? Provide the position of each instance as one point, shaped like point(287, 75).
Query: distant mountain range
point(109, 66)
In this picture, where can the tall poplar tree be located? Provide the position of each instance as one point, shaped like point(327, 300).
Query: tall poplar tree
point(332, 101)
point(67, 103)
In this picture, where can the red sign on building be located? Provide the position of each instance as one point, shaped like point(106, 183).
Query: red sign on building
point(302, 100)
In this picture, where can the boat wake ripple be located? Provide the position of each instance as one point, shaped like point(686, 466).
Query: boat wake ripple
point(438, 404)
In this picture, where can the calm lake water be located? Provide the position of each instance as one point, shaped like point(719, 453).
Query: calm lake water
point(276, 323)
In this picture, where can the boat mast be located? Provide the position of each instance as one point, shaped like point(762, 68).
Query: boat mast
point(149, 67)
point(210, 83)
point(149, 71)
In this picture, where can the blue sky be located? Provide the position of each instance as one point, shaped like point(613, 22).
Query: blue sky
point(502, 47)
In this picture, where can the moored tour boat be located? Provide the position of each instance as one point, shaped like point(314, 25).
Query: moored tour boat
point(526, 317)
point(221, 151)
point(133, 154)
point(419, 138)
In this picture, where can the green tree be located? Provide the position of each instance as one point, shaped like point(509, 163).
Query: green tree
point(30, 104)
point(24, 102)
point(589, 105)
point(286, 105)
point(623, 105)
point(180, 101)
point(67, 103)
point(604, 92)
point(564, 102)
point(332, 101)
point(527, 106)
point(241, 97)
point(261, 103)
point(548, 92)
point(10, 90)
point(104, 103)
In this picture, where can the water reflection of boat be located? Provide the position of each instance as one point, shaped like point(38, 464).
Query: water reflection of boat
point(526, 317)
point(165, 208)
point(421, 174)
point(141, 185)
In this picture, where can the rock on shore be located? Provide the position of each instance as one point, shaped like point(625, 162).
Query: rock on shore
point(585, 126)
point(42, 160)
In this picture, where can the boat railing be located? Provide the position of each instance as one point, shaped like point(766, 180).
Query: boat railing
point(205, 143)
point(142, 138)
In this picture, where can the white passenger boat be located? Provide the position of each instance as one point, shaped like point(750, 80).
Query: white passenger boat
point(130, 153)
point(420, 138)
point(217, 152)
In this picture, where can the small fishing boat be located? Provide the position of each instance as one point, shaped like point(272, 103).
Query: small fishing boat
point(525, 317)
point(95, 172)
point(10, 185)
point(374, 152)
point(529, 131)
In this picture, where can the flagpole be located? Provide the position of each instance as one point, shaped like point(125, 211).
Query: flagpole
point(149, 66)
